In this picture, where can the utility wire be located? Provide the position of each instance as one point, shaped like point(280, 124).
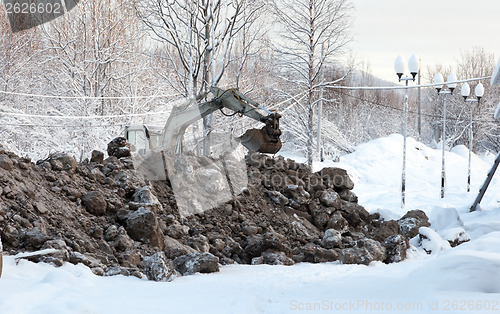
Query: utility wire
point(399, 109)
point(401, 86)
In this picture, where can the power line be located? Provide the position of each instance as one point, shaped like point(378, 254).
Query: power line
point(401, 86)
point(65, 125)
point(399, 109)
point(89, 97)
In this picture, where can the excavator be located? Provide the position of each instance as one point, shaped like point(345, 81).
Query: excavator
point(263, 140)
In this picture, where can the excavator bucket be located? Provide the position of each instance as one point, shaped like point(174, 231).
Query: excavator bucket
point(264, 140)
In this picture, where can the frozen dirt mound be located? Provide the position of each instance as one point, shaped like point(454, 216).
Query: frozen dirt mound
point(102, 214)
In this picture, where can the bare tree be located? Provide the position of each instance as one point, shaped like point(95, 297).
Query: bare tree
point(474, 63)
point(198, 35)
point(87, 51)
point(313, 32)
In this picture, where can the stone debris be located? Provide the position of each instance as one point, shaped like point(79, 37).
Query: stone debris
point(101, 213)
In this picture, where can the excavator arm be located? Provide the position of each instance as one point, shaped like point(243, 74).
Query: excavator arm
point(264, 140)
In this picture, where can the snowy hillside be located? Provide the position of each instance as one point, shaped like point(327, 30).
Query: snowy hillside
point(464, 279)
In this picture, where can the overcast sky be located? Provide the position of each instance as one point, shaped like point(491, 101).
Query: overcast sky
point(436, 30)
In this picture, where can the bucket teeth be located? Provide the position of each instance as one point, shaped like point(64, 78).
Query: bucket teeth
point(260, 140)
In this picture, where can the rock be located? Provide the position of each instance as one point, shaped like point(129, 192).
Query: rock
point(272, 258)
point(336, 178)
point(95, 203)
point(411, 222)
point(320, 214)
point(111, 233)
point(351, 212)
point(35, 238)
point(332, 239)
point(277, 197)
point(62, 161)
point(330, 198)
point(142, 225)
point(156, 267)
point(249, 228)
point(199, 243)
point(145, 195)
point(119, 147)
point(348, 195)
point(297, 193)
point(97, 157)
point(122, 242)
point(386, 229)
point(365, 252)
point(6, 163)
point(337, 222)
point(174, 248)
point(197, 263)
point(41, 207)
point(98, 271)
point(395, 246)
point(177, 230)
point(77, 258)
point(311, 253)
point(255, 245)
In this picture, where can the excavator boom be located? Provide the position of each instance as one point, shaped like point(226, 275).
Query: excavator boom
point(264, 140)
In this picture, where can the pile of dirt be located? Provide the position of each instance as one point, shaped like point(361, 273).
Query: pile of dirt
point(102, 214)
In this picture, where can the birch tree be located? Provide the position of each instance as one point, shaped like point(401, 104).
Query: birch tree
point(313, 33)
point(198, 36)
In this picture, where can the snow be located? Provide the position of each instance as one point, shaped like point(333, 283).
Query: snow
point(464, 279)
point(497, 112)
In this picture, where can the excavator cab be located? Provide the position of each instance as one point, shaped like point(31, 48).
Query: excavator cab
point(141, 138)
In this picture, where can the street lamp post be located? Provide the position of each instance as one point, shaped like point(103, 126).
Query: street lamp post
point(439, 81)
point(479, 91)
point(400, 68)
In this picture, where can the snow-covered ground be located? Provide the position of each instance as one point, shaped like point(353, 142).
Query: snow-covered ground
point(465, 279)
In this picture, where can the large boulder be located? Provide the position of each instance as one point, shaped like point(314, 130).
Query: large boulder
point(273, 258)
point(411, 222)
point(336, 178)
point(142, 225)
point(174, 248)
point(256, 244)
point(312, 253)
point(387, 228)
point(364, 252)
point(197, 263)
point(156, 267)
